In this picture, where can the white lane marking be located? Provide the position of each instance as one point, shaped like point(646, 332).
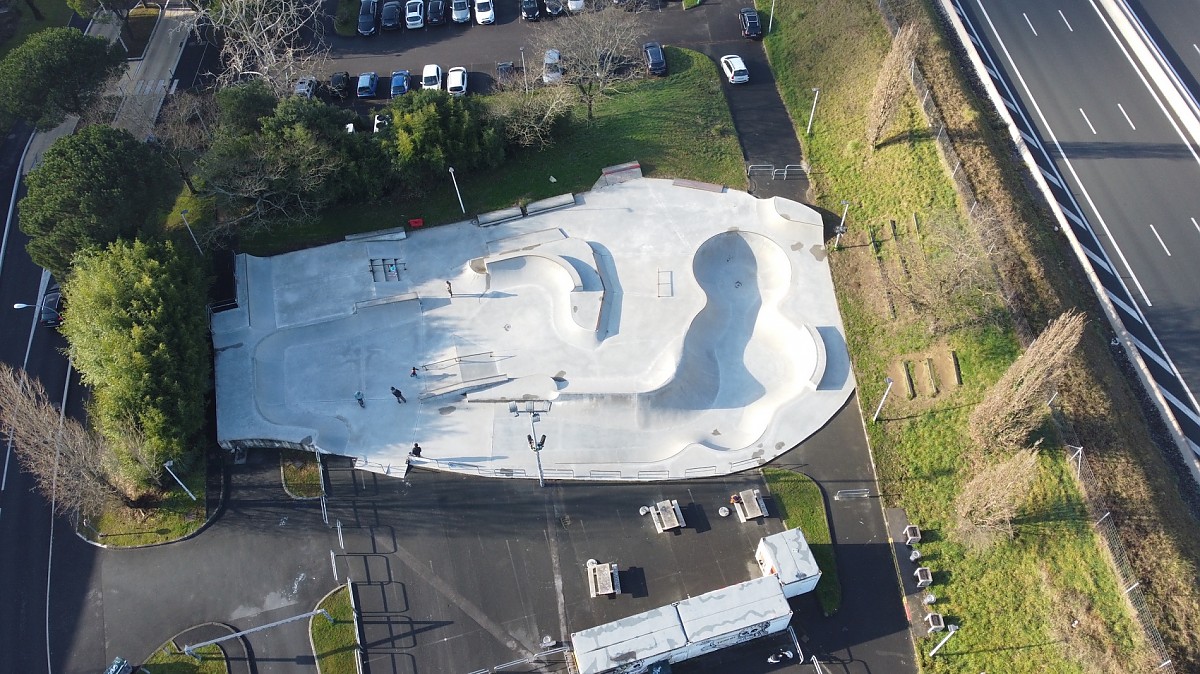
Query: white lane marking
point(1196, 224)
point(1089, 122)
point(1160, 241)
point(1122, 109)
point(1196, 48)
point(1054, 139)
point(1064, 18)
point(1030, 23)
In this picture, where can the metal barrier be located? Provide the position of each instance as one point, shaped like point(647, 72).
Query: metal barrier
point(759, 169)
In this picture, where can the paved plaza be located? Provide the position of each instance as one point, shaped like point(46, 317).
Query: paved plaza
point(649, 330)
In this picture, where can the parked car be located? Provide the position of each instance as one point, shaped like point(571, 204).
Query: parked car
point(400, 82)
point(531, 10)
point(735, 69)
point(506, 72)
point(552, 67)
point(414, 14)
point(367, 83)
point(751, 27)
point(456, 81)
point(555, 7)
point(485, 12)
point(50, 313)
point(436, 15)
point(460, 11)
point(431, 77)
point(339, 84)
point(656, 60)
point(575, 5)
point(390, 17)
point(306, 87)
point(366, 17)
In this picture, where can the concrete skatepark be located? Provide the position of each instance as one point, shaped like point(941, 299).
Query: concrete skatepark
point(650, 330)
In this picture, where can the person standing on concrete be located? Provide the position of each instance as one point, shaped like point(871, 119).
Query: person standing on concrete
point(359, 397)
point(399, 396)
point(416, 450)
point(413, 373)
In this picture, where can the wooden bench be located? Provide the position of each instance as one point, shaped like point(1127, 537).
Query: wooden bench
point(667, 515)
point(749, 505)
point(603, 579)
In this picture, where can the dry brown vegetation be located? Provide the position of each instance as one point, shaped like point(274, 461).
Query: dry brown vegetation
point(892, 83)
point(990, 501)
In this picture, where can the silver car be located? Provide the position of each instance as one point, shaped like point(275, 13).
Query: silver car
point(460, 11)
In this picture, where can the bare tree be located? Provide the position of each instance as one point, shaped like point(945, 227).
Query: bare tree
point(276, 40)
point(185, 130)
point(1016, 405)
point(529, 117)
point(948, 276)
point(69, 463)
point(599, 50)
point(989, 501)
point(891, 82)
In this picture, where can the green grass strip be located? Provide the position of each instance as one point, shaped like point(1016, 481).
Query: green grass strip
point(802, 506)
point(335, 643)
point(167, 660)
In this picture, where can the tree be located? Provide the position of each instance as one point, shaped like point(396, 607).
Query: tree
point(56, 72)
point(891, 82)
point(241, 108)
point(599, 49)
point(69, 464)
point(277, 41)
point(529, 119)
point(988, 503)
point(91, 189)
point(1016, 405)
point(432, 131)
point(185, 129)
point(138, 335)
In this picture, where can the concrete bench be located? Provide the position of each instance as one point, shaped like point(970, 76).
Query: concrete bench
point(667, 515)
point(603, 578)
point(749, 505)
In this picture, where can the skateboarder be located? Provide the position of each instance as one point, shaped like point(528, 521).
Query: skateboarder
point(399, 396)
point(359, 397)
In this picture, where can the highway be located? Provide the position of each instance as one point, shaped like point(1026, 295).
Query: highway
point(1120, 165)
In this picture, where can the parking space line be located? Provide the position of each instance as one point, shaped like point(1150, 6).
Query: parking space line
point(1160, 241)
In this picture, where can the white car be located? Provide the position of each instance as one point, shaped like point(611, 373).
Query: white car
point(460, 11)
point(306, 87)
point(574, 5)
point(735, 69)
point(431, 77)
point(485, 12)
point(456, 81)
point(552, 67)
point(414, 14)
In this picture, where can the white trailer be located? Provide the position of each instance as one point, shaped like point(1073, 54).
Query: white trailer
point(732, 615)
point(630, 645)
point(787, 556)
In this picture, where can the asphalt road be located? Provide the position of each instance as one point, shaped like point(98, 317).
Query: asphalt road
point(1175, 28)
point(1121, 167)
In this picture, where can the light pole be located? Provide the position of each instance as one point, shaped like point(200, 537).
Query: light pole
point(183, 214)
point(816, 95)
point(460, 201)
point(841, 228)
point(22, 305)
point(167, 465)
point(771, 21)
point(952, 628)
point(523, 71)
point(882, 400)
point(537, 446)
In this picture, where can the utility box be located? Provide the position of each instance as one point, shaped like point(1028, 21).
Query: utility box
point(924, 576)
point(934, 623)
point(787, 556)
point(912, 535)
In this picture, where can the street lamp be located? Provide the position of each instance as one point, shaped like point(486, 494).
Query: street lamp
point(771, 21)
point(524, 73)
point(841, 228)
point(537, 447)
point(183, 214)
point(168, 465)
point(882, 400)
point(952, 628)
point(460, 201)
point(22, 305)
point(816, 95)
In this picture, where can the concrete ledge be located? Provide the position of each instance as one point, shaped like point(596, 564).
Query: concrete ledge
point(697, 185)
point(496, 217)
point(403, 297)
point(394, 233)
point(814, 378)
point(543, 205)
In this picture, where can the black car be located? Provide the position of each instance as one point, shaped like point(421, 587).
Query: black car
point(555, 7)
point(530, 10)
point(339, 84)
point(366, 17)
point(50, 314)
point(436, 14)
point(751, 27)
point(391, 18)
point(656, 60)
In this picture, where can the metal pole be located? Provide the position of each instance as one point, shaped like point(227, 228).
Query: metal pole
point(841, 228)
point(183, 214)
point(341, 541)
point(524, 73)
point(460, 201)
point(167, 465)
point(333, 563)
point(813, 112)
point(953, 629)
point(771, 21)
point(536, 445)
point(882, 400)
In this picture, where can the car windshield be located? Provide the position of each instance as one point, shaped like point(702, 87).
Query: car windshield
point(429, 79)
point(655, 54)
point(460, 4)
point(484, 7)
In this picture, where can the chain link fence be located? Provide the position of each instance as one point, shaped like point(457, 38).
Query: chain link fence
point(1089, 485)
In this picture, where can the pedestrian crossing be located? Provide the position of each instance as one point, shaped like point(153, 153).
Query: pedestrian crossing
point(152, 87)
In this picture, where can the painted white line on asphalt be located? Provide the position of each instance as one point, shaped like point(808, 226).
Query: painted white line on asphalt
point(1089, 122)
point(1196, 48)
point(1064, 18)
point(1196, 224)
point(1160, 241)
point(1122, 109)
point(1030, 23)
point(1054, 139)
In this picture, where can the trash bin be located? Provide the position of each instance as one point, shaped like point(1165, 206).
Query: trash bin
point(416, 223)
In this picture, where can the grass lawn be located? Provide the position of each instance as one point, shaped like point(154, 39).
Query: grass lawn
point(55, 13)
point(801, 505)
point(1015, 597)
point(166, 661)
point(677, 126)
point(171, 517)
point(301, 474)
point(345, 21)
point(141, 26)
point(336, 643)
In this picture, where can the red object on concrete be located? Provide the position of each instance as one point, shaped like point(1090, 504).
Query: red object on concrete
point(416, 223)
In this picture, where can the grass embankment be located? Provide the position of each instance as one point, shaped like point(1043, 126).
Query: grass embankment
point(336, 643)
point(677, 126)
point(54, 13)
point(167, 660)
point(801, 505)
point(301, 473)
point(141, 26)
point(1017, 601)
point(160, 518)
point(345, 21)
